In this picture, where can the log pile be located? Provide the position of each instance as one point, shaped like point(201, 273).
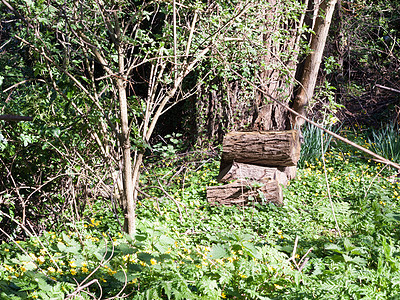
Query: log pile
point(255, 166)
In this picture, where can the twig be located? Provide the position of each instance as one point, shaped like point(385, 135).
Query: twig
point(327, 186)
point(79, 289)
point(373, 179)
point(387, 88)
point(299, 266)
point(171, 198)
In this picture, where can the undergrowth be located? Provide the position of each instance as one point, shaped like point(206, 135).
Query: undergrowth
point(187, 249)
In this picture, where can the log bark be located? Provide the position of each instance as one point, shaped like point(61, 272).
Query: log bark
point(266, 148)
point(246, 172)
point(289, 171)
point(245, 193)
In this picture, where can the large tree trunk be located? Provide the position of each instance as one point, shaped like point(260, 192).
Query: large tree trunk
point(313, 60)
point(231, 104)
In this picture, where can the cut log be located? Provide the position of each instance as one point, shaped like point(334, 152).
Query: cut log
point(245, 193)
point(252, 173)
point(289, 171)
point(266, 148)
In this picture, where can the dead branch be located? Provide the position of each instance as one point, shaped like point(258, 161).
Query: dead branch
point(10, 118)
point(387, 88)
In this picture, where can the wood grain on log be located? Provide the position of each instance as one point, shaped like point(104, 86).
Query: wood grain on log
point(251, 173)
point(266, 148)
point(245, 193)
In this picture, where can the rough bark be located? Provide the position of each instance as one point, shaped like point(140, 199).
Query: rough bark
point(245, 172)
point(244, 193)
point(313, 60)
point(269, 148)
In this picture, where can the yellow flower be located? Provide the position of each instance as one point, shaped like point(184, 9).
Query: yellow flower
point(72, 264)
point(73, 272)
point(85, 270)
point(94, 222)
point(111, 272)
point(6, 250)
point(125, 257)
point(223, 295)
point(153, 261)
point(51, 269)
point(40, 259)
point(43, 251)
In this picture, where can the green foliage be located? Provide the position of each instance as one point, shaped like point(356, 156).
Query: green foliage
point(186, 249)
point(313, 147)
point(386, 141)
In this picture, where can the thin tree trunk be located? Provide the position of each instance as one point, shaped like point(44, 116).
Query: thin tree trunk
point(313, 60)
point(128, 193)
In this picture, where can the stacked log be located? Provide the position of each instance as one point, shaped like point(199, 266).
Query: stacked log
point(255, 166)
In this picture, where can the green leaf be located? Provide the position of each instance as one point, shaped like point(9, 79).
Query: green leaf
point(123, 277)
point(218, 251)
point(393, 216)
point(251, 250)
point(348, 245)
point(163, 243)
point(334, 248)
point(134, 268)
point(61, 247)
point(125, 249)
point(146, 257)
